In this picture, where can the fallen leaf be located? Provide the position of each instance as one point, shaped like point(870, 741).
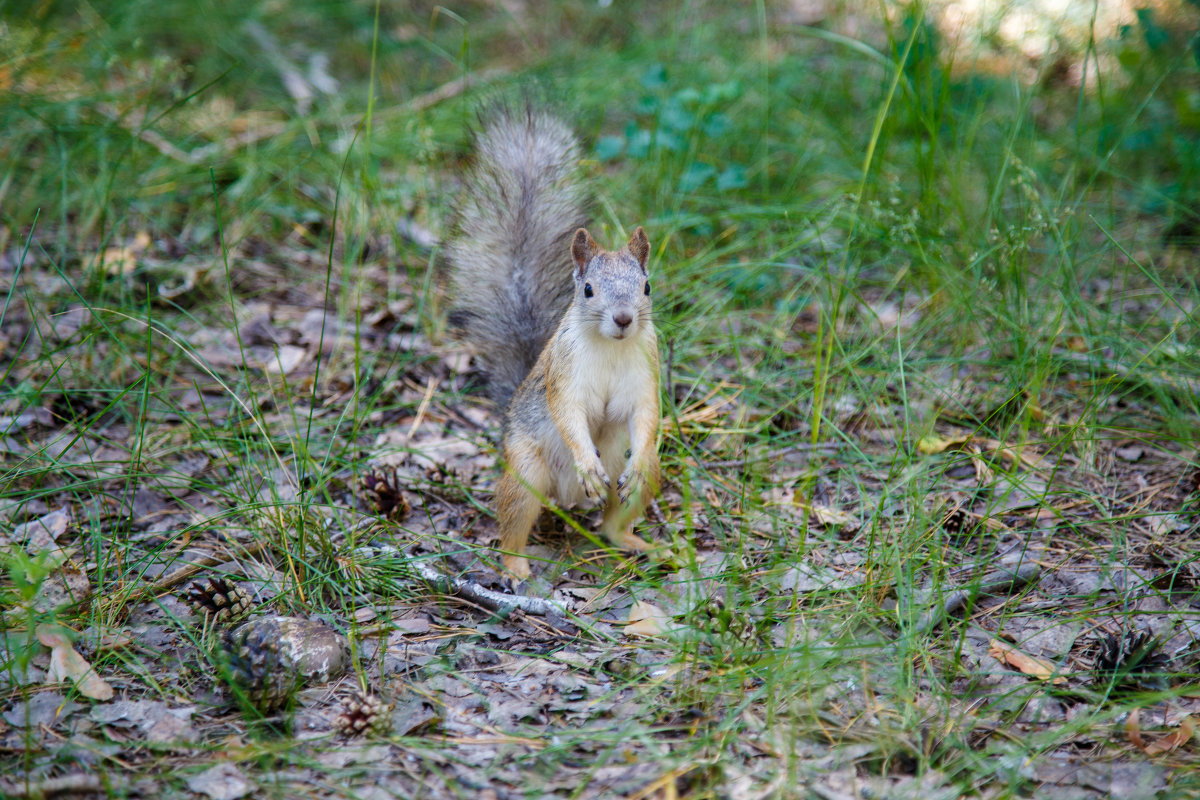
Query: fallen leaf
point(1045, 514)
point(41, 532)
point(1166, 744)
point(983, 473)
point(647, 619)
point(43, 709)
point(805, 577)
point(933, 444)
point(65, 662)
point(286, 359)
point(119, 260)
point(156, 720)
point(1033, 667)
point(1132, 730)
point(221, 782)
point(830, 517)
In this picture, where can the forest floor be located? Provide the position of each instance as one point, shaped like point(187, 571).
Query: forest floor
point(930, 512)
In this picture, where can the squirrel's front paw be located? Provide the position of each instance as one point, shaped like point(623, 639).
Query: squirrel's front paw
point(595, 481)
point(629, 484)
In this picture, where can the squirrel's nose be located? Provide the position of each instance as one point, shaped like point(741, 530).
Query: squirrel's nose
point(622, 318)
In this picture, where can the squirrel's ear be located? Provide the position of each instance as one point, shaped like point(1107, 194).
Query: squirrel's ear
point(639, 247)
point(583, 247)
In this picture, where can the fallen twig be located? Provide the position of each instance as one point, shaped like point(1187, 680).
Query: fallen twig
point(488, 598)
point(63, 784)
point(207, 152)
point(183, 573)
point(444, 92)
point(1154, 376)
point(770, 455)
point(134, 122)
point(180, 575)
point(1005, 580)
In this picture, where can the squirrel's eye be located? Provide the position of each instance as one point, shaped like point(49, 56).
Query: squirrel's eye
point(647, 289)
point(587, 290)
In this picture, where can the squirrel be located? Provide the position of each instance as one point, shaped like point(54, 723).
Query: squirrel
point(563, 327)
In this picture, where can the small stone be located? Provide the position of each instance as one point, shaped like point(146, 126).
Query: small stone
point(1129, 454)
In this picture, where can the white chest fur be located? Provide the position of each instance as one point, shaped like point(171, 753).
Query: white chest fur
point(612, 380)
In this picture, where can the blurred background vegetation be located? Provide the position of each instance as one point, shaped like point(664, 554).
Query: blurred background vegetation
point(128, 115)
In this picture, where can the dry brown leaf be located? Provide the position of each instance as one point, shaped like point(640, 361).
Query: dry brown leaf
point(647, 619)
point(1045, 514)
point(1033, 667)
point(1170, 742)
point(65, 662)
point(983, 473)
point(1132, 730)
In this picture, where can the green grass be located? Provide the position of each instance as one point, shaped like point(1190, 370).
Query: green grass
point(865, 245)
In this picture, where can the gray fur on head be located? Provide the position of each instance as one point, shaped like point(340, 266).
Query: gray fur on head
point(509, 252)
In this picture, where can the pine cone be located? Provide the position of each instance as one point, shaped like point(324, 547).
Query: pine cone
point(218, 600)
point(954, 515)
point(714, 618)
point(362, 713)
point(1131, 658)
point(272, 657)
point(954, 521)
point(382, 490)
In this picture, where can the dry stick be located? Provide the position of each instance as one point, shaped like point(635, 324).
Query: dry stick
point(64, 784)
point(770, 455)
point(470, 590)
point(443, 92)
point(183, 573)
point(133, 122)
point(488, 598)
point(1006, 580)
point(424, 407)
point(207, 152)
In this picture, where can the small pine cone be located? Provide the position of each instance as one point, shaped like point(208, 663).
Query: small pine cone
point(381, 488)
point(954, 520)
point(744, 630)
point(218, 600)
point(1131, 658)
point(363, 713)
point(1192, 482)
point(714, 618)
point(271, 657)
point(954, 515)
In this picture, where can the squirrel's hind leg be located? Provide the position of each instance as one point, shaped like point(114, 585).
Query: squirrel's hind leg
point(517, 509)
point(617, 526)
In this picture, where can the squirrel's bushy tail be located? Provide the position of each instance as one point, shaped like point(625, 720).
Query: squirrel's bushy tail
point(508, 253)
